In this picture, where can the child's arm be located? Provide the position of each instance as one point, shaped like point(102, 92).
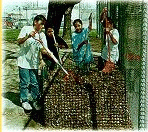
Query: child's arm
point(81, 44)
point(90, 22)
point(42, 63)
point(90, 28)
point(114, 36)
point(22, 40)
point(45, 53)
point(61, 42)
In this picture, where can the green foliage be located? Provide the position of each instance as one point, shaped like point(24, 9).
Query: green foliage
point(11, 35)
point(93, 33)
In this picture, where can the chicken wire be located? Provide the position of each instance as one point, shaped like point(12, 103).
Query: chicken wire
point(97, 102)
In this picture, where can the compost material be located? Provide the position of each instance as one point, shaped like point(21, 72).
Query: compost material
point(91, 100)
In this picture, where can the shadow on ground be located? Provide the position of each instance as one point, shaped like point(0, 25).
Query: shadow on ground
point(14, 97)
point(37, 116)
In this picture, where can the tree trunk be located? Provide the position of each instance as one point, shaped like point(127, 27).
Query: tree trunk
point(55, 15)
point(67, 23)
point(56, 10)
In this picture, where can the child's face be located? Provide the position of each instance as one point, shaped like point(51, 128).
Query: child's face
point(78, 27)
point(109, 25)
point(39, 25)
point(50, 32)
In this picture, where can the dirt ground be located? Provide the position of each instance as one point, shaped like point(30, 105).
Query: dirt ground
point(14, 117)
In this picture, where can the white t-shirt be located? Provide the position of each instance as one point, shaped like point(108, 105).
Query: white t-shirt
point(114, 52)
point(28, 56)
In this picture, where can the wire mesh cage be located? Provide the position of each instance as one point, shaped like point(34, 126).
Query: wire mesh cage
point(95, 101)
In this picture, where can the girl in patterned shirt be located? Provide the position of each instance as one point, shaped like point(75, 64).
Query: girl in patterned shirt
point(82, 54)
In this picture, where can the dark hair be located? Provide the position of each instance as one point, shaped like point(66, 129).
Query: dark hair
point(109, 20)
point(77, 20)
point(48, 25)
point(39, 17)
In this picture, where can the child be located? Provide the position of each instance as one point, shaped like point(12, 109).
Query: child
point(110, 53)
point(81, 47)
point(53, 42)
point(28, 61)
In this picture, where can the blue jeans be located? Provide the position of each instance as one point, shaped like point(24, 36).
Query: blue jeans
point(29, 84)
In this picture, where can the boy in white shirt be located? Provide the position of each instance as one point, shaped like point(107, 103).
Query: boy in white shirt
point(28, 61)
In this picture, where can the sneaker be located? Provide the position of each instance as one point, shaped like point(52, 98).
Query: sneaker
point(36, 105)
point(26, 106)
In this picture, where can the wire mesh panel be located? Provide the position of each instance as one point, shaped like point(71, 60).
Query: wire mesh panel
point(95, 101)
point(112, 106)
point(142, 110)
point(130, 18)
point(134, 51)
point(132, 59)
point(66, 104)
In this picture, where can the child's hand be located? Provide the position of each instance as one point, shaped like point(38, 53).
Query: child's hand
point(85, 41)
point(103, 14)
point(104, 9)
point(56, 44)
point(32, 34)
point(43, 51)
point(107, 30)
point(42, 64)
point(61, 46)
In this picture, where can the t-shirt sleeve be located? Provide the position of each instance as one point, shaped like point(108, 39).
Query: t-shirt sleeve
point(44, 40)
point(116, 35)
point(22, 33)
